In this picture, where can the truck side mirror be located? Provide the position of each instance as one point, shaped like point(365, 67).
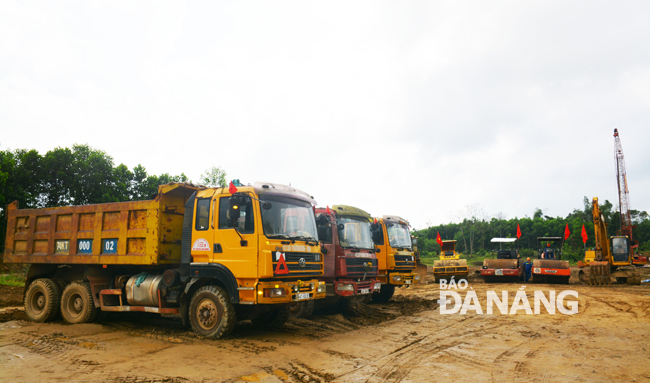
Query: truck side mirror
point(236, 204)
point(323, 221)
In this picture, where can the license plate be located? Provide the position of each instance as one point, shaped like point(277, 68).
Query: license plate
point(407, 282)
point(365, 291)
point(551, 271)
point(498, 272)
point(302, 296)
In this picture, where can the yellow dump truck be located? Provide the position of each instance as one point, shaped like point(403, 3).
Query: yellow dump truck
point(210, 255)
point(395, 257)
point(449, 265)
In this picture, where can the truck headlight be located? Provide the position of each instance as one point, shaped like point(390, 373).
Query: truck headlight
point(377, 285)
point(397, 278)
point(416, 277)
point(275, 293)
point(345, 287)
point(321, 287)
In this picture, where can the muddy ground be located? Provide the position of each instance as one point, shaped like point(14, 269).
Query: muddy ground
point(404, 340)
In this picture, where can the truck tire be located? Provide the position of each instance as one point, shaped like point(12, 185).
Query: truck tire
point(211, 312)
point(273, 319)
point(77, 305)
point(303, 309)
point(62, 283)
point(42, 300)
point(385, 293)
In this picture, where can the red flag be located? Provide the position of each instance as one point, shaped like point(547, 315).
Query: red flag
point(375, 221)
point(438, 239)
point(232, 189)
point(518, 231)
point(584, 234)
point(328, 209)
point(567, 233)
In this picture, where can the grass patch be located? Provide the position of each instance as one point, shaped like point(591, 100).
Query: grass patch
point(12, 280)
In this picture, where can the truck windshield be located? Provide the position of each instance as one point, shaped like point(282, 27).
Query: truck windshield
point(398, 235)
point(288, 218)
point(354, 233)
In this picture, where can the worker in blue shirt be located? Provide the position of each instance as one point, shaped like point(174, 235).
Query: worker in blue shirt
point(528, 269)
point(548, 252)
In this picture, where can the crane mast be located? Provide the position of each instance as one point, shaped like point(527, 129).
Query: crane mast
point(623, 191)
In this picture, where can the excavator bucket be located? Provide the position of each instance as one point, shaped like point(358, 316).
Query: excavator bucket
point(598, 274)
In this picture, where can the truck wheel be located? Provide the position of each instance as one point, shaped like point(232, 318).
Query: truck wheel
point(211, 312)
point(61, 283)
point(385, 293)
point(303, 309)
point(42, 300)
point(273, 319)
point(77, 305)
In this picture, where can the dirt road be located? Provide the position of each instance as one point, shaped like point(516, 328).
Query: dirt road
point(404, 340)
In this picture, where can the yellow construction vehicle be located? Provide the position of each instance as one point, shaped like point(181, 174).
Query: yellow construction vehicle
point(212, 255)
point(608, 259)
point(395, 256)
point(449, 265)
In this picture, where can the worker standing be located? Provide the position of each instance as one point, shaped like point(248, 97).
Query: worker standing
point(528, 269)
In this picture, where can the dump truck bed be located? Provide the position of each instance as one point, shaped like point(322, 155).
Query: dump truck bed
point(130, 233)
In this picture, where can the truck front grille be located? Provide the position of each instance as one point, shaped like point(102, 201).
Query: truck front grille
point(355, 267)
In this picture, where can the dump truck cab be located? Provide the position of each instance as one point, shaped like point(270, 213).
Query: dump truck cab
point(213, 255)
point(449, 265)
point(549, 266)
point(350, 263)
point(264, 235)
point(395, 256)
point(507, 267)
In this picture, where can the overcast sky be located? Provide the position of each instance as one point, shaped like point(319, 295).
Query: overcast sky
point(416, 109)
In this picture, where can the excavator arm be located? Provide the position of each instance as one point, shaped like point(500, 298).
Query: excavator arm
point(600, 234)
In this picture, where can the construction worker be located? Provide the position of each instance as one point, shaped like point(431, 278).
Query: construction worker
point(528, 269)
point(548, 252)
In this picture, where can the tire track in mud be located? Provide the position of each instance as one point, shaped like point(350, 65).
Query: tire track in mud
point(395, 366)
point(300, 372)
point(67, 351)
point(628, 308)
point(514, 365)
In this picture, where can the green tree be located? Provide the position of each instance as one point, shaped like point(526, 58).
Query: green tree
point(215, 176)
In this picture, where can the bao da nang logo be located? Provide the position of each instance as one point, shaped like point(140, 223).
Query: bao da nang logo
point(451, 302)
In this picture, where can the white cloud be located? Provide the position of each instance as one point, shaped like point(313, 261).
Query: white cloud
point(416, 109)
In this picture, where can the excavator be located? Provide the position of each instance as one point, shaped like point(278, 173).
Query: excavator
point(609, 259)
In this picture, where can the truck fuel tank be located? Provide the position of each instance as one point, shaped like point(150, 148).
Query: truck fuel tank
point(147, 293)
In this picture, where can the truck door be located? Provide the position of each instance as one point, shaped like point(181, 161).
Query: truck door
point(235, 242)
point(327, 237)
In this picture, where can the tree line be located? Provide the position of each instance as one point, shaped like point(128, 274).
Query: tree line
point(475, 231)
point(79, 175)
